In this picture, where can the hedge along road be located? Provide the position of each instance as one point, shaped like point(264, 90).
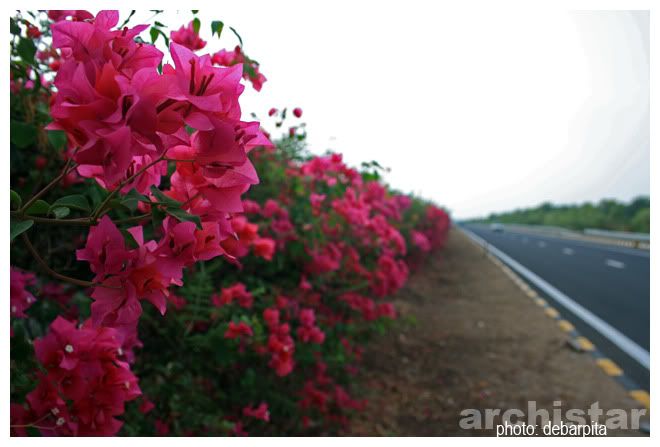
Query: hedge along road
point(610, 282)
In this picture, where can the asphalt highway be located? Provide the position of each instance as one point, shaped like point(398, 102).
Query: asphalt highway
point(611, 282)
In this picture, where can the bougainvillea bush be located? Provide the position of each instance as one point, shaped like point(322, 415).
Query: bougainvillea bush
point(176, 270)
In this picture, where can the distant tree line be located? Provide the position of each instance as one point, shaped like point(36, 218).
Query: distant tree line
point(607, 214)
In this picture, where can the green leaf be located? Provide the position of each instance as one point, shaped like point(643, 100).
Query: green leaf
point(13, 27)
point(131, 204)
point(216, 27)
point(127, 19)
point(129, 240)
point(57, 138)
point(15, 201)
point(153, 32)
point(237, 35)
point(196, 25)
point(195, 11)
point(136, 195)
point(75, 201)
point(22, 134)
point(157, 216)
point(60, 212)
point(16, 227)
point(164, 199)
point(184, 216)
point(131, 199)
point(117, 203)
point(26, 50)
point(40, 207)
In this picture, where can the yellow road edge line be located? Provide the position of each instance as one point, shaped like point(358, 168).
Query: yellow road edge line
point(565, 325)
point(642, 397)
point(551, 312)
point(610, 368)
point(585, 344)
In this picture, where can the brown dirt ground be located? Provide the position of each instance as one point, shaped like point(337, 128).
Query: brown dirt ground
point(468, 337)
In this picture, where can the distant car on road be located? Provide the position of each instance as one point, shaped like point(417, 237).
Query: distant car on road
point(497, 228)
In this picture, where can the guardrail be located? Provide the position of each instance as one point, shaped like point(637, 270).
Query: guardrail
point(640, 241)
point(637, 237)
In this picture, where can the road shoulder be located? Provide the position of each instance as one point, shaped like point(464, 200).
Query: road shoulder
point(469, 338)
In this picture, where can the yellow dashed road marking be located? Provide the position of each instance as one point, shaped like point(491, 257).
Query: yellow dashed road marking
point(540, 301)
point(642, 397)
point(585, 343)
point(610, 368)
point(565, 326)
point(551, 312)
point(531, 293)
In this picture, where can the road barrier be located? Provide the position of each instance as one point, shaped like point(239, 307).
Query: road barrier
point(636, 240)
point(641, 241)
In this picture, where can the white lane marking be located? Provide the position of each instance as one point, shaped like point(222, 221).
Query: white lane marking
point(542, 244)
point(568, 251)
point(628, 346)
point(614, 263)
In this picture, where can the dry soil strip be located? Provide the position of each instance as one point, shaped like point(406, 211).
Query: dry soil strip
point(469, 338)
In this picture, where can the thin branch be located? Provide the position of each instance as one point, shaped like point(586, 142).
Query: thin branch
point(181, 160)
point(132, 219)
point(49, 270)
point(82, 221)
point(99, 209)
point(70, 165)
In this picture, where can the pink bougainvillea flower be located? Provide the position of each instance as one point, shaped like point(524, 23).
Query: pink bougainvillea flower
point(207, 89)
point(308, 331)
point(271, 317)
point(236, 330)
point(127, 276)
point(84, 384)
point(250, 67)
point(386, 310)
point(162, 427)
point(20, 298)
point(105, 249)
point(297, 112)
point(188, 37)
point(146, 405)
point(259, 412)
point(421, 241)
point(237, 292)
point(61, 14)
point(264, 248)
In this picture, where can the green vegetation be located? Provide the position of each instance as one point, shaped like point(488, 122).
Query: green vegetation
point(607, 214)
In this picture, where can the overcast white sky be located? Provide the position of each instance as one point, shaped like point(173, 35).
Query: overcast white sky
point(480, 111)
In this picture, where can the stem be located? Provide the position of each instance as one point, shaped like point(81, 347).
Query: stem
point(132, 219)
point(68, 167)
point(183, 205)
point(49, 270)
point(99, 209)
point(84, 221)
point(181, 160)
point(32, 424)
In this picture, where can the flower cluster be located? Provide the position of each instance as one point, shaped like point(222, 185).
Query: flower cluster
point(126, 120)
point(250, 67)
point(20, 299)
point(272, 290)
point(85, 383)
point(188, 37)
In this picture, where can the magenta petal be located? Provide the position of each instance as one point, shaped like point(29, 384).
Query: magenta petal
point(107, 19)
